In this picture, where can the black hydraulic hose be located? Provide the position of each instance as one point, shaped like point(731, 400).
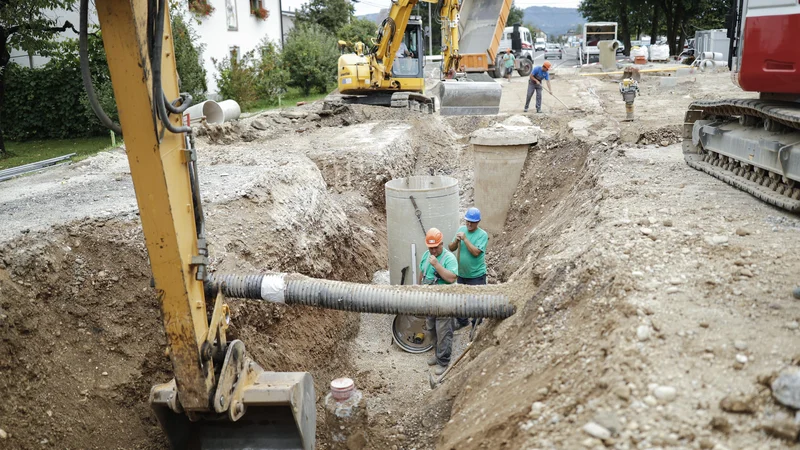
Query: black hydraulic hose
point(155, 65)
point(185, 101)
point(86, 75)
point(355, 297)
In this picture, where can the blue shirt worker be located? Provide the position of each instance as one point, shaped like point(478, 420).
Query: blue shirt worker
point(438, 266)
point(470, 246)
point(539, 74)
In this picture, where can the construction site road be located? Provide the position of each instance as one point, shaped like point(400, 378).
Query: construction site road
point(654, 302)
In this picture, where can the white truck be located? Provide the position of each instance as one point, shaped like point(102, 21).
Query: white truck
point(594, 32)
point(540, 45)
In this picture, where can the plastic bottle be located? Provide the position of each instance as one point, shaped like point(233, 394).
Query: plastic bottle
point(346, 416)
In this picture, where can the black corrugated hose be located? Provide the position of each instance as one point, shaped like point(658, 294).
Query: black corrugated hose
point(355, 297)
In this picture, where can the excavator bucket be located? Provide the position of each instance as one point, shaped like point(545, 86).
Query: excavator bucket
point(469, 96)
point(256, 409)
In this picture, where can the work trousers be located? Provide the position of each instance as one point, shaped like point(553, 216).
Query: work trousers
point(534, 87)
point(463, 321)
point(442, 329)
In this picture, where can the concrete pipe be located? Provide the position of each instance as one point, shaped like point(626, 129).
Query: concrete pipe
point(500, 154)
point(414, 205)
point(230, 110)
point(294, 289)
point(714, 56)
point(209, 109)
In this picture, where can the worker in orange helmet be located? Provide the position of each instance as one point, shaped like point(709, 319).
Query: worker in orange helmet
point(538, 74)
point(438, 266)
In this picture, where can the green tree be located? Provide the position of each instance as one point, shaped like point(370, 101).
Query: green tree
point(310, 56)
point(25, 25)
point(236, 78)
point(358, 30)
point(515, 15)
point(271, 76)
point(189, 58)
point(330, 14)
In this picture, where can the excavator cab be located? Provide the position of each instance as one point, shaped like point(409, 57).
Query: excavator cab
point(410, 58)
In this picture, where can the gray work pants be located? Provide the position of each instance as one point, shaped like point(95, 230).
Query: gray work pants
point(534, 87)
point(442, 329)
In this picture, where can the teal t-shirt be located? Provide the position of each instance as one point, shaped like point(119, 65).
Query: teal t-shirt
point(472, 266)
point(509, 60)
point(446, 259)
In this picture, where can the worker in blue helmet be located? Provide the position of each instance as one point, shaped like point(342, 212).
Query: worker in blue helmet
point(469, 245)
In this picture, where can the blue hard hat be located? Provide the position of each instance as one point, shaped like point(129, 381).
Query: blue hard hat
point(473, 215)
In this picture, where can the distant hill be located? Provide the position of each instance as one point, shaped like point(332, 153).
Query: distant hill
point(553, 21)
point(376, 17)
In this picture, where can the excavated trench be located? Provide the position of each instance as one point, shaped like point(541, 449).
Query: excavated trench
point(81, 334)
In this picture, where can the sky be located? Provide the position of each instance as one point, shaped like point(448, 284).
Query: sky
point(373, 6)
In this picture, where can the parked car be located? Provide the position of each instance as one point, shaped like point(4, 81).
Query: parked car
point(553, 51)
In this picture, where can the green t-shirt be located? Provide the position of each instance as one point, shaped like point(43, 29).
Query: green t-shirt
point(509, 60)
point(472, 266)
point(446, 259)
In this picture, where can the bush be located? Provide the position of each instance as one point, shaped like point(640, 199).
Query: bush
point(189, 59)
point(310, 56)
point(271, 76)
point(236, 79)
point(358, 30)
point(50, 102)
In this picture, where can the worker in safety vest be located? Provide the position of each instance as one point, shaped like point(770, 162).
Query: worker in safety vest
point(469, 244)
point(438, 266)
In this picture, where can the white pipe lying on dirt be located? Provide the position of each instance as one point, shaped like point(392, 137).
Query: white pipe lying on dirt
point(209, 109)
point(230, 110)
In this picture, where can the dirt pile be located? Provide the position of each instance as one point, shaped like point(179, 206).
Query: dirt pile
point(663, 136)
point(82, 336)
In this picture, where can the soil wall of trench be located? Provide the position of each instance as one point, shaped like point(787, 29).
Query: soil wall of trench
point(81, 332)
point(81, 340)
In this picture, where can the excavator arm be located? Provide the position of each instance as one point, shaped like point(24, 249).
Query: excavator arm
point(215, 381)
point(449, 17)
point(220, 398)
point(390, 36)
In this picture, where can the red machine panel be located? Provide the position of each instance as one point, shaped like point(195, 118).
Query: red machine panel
point(770, 60)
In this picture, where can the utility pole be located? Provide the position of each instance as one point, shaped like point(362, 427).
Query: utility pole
point(430, 32)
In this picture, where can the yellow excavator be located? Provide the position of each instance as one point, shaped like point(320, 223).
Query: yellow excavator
point(220, 398)
point(392, 72)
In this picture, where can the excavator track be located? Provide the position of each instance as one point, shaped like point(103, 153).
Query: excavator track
point(751, 144)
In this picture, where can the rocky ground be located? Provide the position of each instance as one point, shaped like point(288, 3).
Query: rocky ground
point(654, 302)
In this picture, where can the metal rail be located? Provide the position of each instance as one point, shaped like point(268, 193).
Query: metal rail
point(14, 172)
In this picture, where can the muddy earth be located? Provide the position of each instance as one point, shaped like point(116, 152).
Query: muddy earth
point(654, 302)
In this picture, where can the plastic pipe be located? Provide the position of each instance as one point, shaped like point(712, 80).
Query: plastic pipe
point(230, 110)
point(293, 289)
point(209, 109)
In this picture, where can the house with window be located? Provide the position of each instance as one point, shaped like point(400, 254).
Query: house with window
point(223, 27)
point(234, 27)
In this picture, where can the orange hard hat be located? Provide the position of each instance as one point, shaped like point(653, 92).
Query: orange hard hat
point(546, 64)
point(433, 238)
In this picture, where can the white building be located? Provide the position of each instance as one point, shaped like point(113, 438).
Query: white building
point(287, 21)
point(230, 27)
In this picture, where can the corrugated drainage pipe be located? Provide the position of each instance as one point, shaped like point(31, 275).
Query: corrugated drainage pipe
point(295, 289)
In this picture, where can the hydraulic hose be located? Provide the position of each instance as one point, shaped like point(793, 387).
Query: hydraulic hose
point(86, 75)
point(293, 289)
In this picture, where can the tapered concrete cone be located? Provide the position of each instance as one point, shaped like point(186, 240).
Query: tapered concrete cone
point(499, 153)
